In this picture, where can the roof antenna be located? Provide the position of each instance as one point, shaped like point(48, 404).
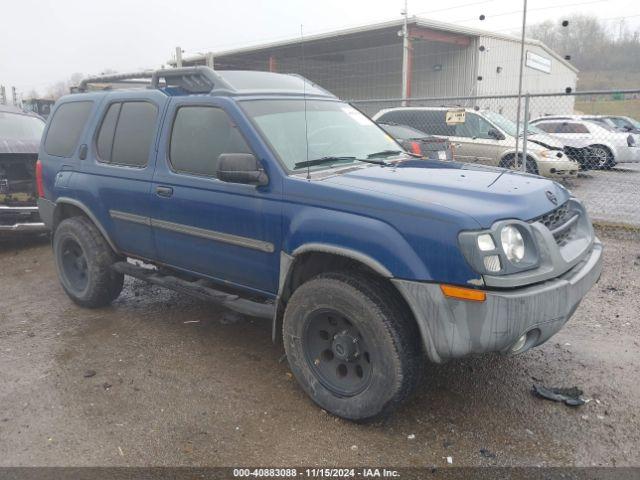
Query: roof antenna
point(304, 96)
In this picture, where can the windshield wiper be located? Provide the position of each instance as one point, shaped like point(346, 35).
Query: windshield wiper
point(323, 160)
point(384, 153)
point(387, 153)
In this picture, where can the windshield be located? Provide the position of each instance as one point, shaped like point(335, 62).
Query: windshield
point(633, 121)
point(333, 129)
point(14, 126)
point(624, 122)
point(509, 127)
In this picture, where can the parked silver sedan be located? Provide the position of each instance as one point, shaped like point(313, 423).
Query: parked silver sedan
point(608, 145)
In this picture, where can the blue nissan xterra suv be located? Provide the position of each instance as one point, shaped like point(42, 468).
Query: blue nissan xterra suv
point(267, 194)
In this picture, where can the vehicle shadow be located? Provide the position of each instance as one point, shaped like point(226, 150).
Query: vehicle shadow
point(16, 243)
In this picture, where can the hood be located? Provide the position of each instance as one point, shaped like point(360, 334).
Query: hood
point(19, 146)
point(547, 141)
point(486, 194)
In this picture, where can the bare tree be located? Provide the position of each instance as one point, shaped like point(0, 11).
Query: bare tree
point(591, 43)
point(58, 89)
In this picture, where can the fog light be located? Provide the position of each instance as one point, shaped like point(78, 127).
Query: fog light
point(492, 263)
point(516, 347)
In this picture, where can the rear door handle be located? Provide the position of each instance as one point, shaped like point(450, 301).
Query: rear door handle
point(164, 191)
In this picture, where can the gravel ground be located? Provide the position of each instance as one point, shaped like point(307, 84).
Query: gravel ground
point(610, 196)
point(162, 379)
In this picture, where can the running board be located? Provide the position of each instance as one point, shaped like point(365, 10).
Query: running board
point(198, 289)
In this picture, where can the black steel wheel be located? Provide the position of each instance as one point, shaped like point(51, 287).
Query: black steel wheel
point(352, 344)
point(74, 264)
point(84, 262)
point(337, 352)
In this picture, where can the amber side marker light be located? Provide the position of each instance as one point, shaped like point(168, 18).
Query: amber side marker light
point(463, 293)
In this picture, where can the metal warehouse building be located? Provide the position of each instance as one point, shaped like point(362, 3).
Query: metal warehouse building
point(441, 60)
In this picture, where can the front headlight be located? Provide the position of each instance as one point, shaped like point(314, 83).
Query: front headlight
point(512, 243)
point(551, 154)
point(509, 246)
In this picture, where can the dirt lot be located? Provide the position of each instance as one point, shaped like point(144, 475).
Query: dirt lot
point(610, 196)
point(177, 382)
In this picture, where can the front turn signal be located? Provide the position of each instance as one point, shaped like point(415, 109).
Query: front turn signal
point(462, 293)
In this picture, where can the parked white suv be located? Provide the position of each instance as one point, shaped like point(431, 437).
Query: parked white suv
point(609, 146)
point(482, 136)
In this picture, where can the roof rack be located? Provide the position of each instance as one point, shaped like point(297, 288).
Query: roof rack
point(198, 79)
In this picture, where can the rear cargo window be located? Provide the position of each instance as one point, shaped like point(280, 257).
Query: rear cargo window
point(66, 127)
point(428, 121)
point(200, 135)
point(126, 133)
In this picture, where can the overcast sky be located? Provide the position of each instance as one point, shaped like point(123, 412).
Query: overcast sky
point(44, 41)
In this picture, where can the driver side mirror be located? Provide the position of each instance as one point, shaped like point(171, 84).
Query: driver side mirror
point(495, 134)
point(241, 168)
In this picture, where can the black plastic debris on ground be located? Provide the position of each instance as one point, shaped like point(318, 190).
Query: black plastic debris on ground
point(570, 396)
point(486, 453)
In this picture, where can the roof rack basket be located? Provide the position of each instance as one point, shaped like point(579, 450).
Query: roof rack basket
point(199, 79)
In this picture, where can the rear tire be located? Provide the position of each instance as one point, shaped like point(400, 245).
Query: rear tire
point(84, 262)
point(352, 345)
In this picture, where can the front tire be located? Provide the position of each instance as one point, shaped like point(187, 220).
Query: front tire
point(511, 163)
point(602, 158)
point(84, 262)
point(352, 345)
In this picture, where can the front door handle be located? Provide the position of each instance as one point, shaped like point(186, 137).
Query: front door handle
point(164, 191)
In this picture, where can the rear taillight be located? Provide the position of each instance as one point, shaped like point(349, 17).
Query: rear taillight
point(39, 182)
point(415, 148)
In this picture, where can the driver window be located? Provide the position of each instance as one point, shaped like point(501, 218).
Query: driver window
point(474, 127)
point(199, 136)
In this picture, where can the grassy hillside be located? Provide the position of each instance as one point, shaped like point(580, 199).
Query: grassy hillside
point(629, 108)
point(608, 80)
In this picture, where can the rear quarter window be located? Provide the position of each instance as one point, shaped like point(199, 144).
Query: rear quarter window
point(66, 127)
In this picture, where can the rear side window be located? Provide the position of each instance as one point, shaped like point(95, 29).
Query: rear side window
point(107, 130)
point(199, 136)
point(572, 128)
point(66, 127)
point(548, 127)
point(127, 133)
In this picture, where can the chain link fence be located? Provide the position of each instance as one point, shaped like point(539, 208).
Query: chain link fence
point(589, 141)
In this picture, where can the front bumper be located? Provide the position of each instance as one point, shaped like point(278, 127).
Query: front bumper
point(16, 220)
point(558, 168)
point(452, 328)
point(628, 155)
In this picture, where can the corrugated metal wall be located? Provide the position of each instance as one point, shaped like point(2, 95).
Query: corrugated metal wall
point(498, 66)
point(443, 70)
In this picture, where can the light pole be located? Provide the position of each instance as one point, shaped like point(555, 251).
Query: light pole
point(524, 27)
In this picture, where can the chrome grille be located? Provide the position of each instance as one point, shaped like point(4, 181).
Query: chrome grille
point(560, 222)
